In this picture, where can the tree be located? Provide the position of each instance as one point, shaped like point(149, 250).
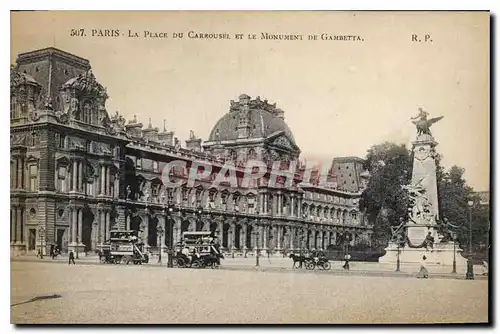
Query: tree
point(384, 199)
point(454, 195)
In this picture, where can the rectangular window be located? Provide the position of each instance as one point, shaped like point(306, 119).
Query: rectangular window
point(89, 189)
point(138, 163)
point(33, 173)
point(34, 139)
point(155, 166)
point(61, 176)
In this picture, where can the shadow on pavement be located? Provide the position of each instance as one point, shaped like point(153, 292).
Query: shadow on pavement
point(54, 296)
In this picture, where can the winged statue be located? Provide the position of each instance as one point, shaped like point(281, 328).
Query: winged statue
point(423, 124)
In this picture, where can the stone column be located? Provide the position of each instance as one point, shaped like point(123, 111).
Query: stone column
point(220, 227)
point(292, 238)
point(16, 174)
point(21, 173)
point(102, 179)
point(292, 205)
point(102, 226)
point(322, 240)
point(146, 230)
point(94, 235)
point(108, 179)
point(232, 235)
point(266, 203)
point(80, 226)
point(240, 236)
point(75, 175)
point(278, 210)
point(13, 219)
point(244, 229)
point(19, 224)
point(278, 236)
point(161, 224)
point(265, 235)
point(258, 240)
point(299, 207)
point(116, 187)
point(275, 205)
point(80, 176)
point(107, 218)
point(127, 220)
point(252, 237)
point(74, 225)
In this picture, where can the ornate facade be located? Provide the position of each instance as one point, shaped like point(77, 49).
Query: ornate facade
point(77, 173)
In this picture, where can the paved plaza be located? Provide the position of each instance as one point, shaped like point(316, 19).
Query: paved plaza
point(53, 292)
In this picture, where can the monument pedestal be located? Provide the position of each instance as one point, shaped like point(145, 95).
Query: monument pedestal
point(442, 254)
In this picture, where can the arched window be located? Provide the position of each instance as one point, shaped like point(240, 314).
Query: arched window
point(252, 155)
point(34, 139)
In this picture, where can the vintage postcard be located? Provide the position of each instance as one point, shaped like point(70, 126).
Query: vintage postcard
point(308, 167)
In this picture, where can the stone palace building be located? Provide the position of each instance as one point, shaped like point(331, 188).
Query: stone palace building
point(78, 172)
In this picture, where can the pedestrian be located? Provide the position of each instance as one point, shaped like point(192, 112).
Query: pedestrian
point(485, 268)
point(347, 258)
point(71, 257)
point(423, 273)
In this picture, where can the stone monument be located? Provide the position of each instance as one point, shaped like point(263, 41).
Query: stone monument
point(420, 234)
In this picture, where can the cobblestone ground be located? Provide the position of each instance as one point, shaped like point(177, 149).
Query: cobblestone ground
point(153, 294)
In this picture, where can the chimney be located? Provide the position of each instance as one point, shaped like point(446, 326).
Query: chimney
point(193, 143)
point(150, 134)
point(166, 137)
point(133, 128)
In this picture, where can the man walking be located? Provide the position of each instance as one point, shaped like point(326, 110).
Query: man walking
point(347, 258)
point(71, 257)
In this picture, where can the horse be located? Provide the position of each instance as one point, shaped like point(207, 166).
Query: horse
point(209, 260)
point(297, 258)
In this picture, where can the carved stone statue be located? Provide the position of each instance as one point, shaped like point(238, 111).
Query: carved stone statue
point(397, 232)
point(73, 107)
point(422, 123)
point(420, 206)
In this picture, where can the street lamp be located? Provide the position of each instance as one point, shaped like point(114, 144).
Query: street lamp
point(302, 240)
point(454, 236)
point(160, 234)
point(257, 237)
point(170, 263)
point(77, 244)
point(41, 231)
point(470, 268)
point(398, 262)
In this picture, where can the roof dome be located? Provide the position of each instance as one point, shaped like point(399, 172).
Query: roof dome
point(263, 118)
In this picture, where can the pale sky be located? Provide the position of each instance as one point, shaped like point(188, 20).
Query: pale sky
point(339, 97)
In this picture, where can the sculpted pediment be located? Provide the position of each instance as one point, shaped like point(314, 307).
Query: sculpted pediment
point(282, 141)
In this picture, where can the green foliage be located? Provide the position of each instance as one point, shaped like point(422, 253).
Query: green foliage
point(384, 199)
point(454, 195)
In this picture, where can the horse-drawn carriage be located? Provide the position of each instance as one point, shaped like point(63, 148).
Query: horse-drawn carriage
point(123, 247)
point(311, 261)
